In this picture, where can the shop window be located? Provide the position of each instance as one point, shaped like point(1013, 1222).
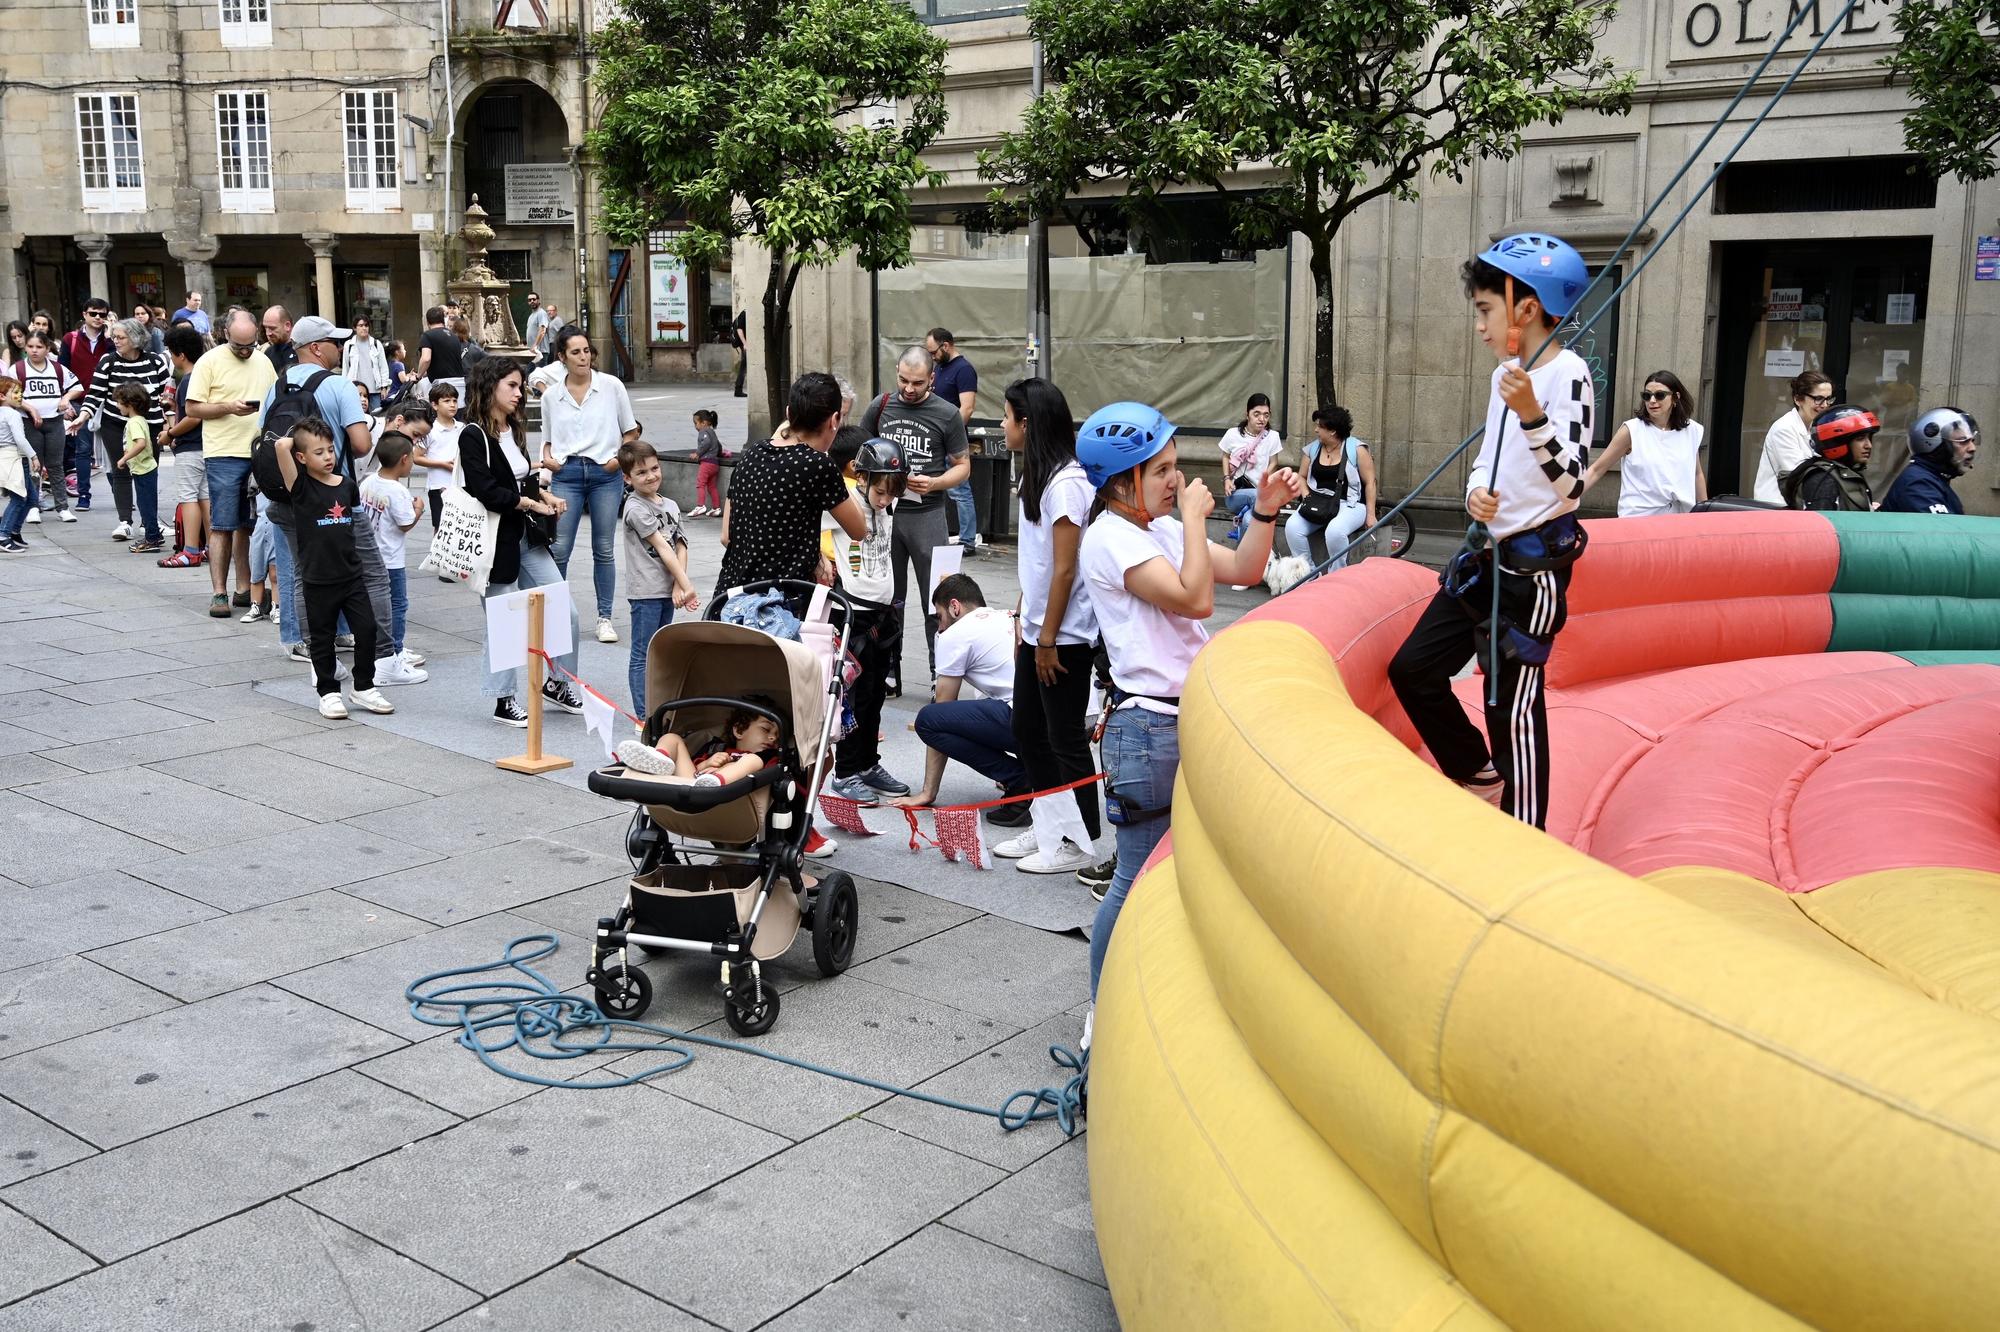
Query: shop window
point(952, 11)
point(246, 23)
point(368, 125)
point(109, 153)
point(243, 150)
point(112, 23)
point(1823, 185)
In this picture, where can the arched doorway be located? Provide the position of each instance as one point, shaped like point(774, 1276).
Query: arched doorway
point(515, 142)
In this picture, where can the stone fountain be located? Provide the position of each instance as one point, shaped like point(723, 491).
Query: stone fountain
point(482, 295)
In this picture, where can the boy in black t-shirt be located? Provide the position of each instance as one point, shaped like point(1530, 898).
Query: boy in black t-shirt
point(325, 507)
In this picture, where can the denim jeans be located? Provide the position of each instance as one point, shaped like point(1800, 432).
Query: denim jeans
point(962, 500)
point(978, 732)
point(1239, 503)
point(48, 439)
point(583, 484)
point(17, 508)
point(146, 498)
point(1142, 752)
point(649, 614)
point(291, 624)
point(399, 605)
point(538, 569)
point(1309, 539)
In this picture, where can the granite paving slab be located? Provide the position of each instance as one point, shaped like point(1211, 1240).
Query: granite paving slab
point(989, 1077)
point(1042, 1212)
point(759, 1242)
point(281, 866)
point(30, 1145)
point(287, 782)
point(69, 996)
point(207, 740)
point(557, 1173)
point(996, 968)
point(81, 669)
point(940, 1278)
point(495, 878)
point(228, 702)
point(20, 740)
point(47, 844)
point(207, 1170)
point(379, 753)
point(163, 809)
point(449, 1076)
point(35, 1259)
point(488, 815)
point(79, 724)
point(115, 1086)
point(573, 1296)
point(229, 952)
point(157, 615)
point(278, 1267)
point(149, 688)
point(58, 919)
point(217, 651)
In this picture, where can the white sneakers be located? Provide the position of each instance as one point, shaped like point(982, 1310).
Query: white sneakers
point(1068, 859)
point(331, 708)
point(398, 671)
point(121, 532)
point(1019, 845)
point(699, 511)
point(372, 700)
point(34, 515)
point(67, 515)
point(607, 632)
point(642, 757)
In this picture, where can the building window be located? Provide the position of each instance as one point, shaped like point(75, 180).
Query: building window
point(243, 151)
point(246, 22)
point(951, 11)
point(113, 22)
point(369, 124)
point(108, 153)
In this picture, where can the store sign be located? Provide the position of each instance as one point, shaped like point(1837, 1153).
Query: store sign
point(1741, 29)
point(540, 194)
point(1986, 259)
point(669, 288)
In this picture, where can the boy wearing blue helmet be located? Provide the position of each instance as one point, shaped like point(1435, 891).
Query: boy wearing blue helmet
point(1538, 424)
point(1152, 579)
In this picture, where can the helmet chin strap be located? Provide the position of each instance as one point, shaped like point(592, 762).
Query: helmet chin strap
point(1135, 512)
point(1513, 324)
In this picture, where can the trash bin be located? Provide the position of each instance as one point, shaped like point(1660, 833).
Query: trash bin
point(993, 486)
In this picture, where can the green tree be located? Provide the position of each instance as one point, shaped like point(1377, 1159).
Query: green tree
point(747, 118)
point(1347, 102)
point(1954, 69)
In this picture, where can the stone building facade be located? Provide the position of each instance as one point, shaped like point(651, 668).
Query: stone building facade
point(1819, 248)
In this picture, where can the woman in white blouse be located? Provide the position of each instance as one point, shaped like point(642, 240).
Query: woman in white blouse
point(1247, 451)
point(1661, 449)
point(1789, 440)
point(363, 361)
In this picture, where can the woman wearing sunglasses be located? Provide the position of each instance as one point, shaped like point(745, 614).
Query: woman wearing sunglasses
point(1789, 440)
point(1661, 450)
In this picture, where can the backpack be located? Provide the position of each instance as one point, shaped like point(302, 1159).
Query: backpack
point(292, 404)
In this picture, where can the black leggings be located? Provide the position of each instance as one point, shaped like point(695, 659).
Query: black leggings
point(437, 508)
point(325, 604)
point(1049, 733)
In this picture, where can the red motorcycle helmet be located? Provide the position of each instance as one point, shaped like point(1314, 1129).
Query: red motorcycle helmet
point(1835, 430)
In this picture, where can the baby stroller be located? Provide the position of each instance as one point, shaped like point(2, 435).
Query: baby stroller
point(708, 860)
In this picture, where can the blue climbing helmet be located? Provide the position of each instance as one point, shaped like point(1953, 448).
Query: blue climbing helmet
point(1120, 437)
point(1551, 268)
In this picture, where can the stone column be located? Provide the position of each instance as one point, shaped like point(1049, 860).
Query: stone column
point(13, 277)
point(97, 249)
point(196, 256)
point(322, 244)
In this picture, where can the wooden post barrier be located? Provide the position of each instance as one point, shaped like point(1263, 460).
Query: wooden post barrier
point(534, 761)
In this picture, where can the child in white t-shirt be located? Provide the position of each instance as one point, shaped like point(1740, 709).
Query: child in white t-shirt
point(437, 454)
point(875, 637)
point(386, 496)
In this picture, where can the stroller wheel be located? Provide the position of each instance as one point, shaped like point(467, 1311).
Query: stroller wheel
point(625, 995)
point(749, 1015)
point(836, 916)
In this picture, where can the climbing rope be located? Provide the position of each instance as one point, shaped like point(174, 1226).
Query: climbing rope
point(526, 1011)
point(1475, 536)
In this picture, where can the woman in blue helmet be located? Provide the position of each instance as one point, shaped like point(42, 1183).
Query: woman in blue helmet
point(1152, 578)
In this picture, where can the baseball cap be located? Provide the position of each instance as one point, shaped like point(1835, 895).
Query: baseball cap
point(312, 328)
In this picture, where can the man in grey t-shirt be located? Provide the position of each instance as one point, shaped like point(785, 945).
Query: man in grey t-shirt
point(931, 433)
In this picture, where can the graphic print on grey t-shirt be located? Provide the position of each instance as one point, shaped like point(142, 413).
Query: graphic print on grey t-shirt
point(931, 434)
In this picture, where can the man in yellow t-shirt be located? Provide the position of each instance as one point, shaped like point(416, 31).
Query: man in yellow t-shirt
point(226, 392)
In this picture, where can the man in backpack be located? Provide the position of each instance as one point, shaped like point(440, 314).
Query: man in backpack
point(82, 348)
point(315, 387)
point(224, 393)
point(1843, 439)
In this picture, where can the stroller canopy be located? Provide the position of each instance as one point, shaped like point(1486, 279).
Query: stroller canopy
point(706, 658)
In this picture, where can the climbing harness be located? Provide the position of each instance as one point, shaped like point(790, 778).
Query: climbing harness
point(523, 1010)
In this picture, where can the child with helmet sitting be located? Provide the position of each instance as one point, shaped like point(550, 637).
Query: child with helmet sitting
point(1843, 439)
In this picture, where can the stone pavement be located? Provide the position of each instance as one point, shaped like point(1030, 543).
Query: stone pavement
point(215, 1112)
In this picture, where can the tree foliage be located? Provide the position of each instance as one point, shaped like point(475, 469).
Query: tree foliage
point(728, 119)
point(1948, 54)
point(1344, 103)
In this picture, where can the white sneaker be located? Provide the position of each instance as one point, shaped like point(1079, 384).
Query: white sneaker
point(68, 515)
point(698, 512)
point(372, 700)
point(1068, 859)
point(1017, 846)
point(331, 708)
point(412, 657)
point(606, 631)
point(121, 532)
point(34, 515)
point(1089, 1020)
point(642, 757)
point(396, 671)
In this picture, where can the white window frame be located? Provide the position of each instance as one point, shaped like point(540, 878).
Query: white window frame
point(112, 23)
point(250, 191)
point(245, 23)
point(113, 191)
point(372, 164)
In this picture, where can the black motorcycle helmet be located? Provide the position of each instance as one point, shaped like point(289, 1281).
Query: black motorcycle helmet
point(883, 457)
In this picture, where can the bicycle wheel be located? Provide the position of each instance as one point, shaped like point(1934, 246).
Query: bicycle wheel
point(1390, 540)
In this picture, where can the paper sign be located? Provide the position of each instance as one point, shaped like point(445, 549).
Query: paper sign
point(1784, 363)
point(507, 626)
point(1903, 307)
point(601, 719)
point(1893, 359)
point(1986, 259)
point(945, 561)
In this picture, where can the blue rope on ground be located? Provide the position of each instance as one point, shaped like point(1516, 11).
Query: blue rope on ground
point(532, 1015)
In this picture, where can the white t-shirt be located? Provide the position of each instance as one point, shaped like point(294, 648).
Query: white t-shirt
point(1235, 443)
point(1786, 445)
point(1067, 495)
point(43, 389)
point(517, 461)
point(1529, 495)
point(1659, 472)
point(441, 445)
point(979, 650)
point(391, 509)
point(1150, 649)
point(863, 565)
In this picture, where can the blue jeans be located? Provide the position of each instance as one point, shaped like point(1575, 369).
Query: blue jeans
point(399, 605)
point(968, 512)
point(1239, 503)
point(1142, 752)
point(583, 484)
point(649, 615)
point(978, 732)
point(146, 495)
point(537, 570)
point(1316, 543)
point(18, 505)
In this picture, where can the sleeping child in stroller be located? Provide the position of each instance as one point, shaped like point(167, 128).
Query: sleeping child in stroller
point(748, 742)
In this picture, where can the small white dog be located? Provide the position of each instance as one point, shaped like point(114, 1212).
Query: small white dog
point(1283, 573)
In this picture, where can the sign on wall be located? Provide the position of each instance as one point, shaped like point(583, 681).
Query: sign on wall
point(1745, 29)
point(540, 194)
point(669, 289)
